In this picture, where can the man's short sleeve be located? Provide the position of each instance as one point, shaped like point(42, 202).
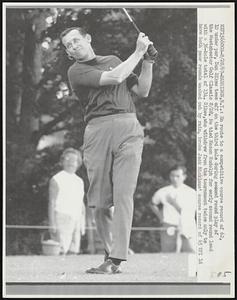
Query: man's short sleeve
point(132, 80)
point(84, 77)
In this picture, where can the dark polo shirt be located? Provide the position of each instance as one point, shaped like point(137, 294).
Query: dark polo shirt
point(101, 100)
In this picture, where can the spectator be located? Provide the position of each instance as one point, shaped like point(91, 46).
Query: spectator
point(66, 206)
point(179, 208)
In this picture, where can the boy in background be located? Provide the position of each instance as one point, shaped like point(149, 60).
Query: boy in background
point(66, 206)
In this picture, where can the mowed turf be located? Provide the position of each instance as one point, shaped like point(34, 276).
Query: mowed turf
point(158, 267)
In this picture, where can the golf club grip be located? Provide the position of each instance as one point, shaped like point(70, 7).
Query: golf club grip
point(152, 51)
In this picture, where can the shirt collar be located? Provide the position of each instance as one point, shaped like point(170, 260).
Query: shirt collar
point(90, 62)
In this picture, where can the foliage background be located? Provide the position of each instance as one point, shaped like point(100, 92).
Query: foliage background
point(42, 118)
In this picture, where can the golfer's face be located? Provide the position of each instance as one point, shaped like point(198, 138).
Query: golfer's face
point(177, 177)
point(70, 163)
point(76, 44)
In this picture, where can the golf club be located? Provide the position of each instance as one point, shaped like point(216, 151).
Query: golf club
point(153, 53)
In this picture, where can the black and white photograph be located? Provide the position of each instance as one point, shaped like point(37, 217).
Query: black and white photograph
point(101, 148)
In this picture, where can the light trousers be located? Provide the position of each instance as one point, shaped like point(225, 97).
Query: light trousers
point(112, 155)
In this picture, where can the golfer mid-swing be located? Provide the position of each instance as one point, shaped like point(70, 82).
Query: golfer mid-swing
point(113, 139)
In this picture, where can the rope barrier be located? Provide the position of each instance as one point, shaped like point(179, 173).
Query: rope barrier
point(87, 227)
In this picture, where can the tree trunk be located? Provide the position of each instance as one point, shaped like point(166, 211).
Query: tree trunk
point(24, 28)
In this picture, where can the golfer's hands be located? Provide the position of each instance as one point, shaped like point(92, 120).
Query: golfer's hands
point(148, 58)
point(142, 44)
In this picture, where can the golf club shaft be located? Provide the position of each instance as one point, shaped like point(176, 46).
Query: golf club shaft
point(131, 20)
point(151, 49)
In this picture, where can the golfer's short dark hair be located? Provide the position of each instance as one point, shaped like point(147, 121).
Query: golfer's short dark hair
point(178, 167)
point(81, 30)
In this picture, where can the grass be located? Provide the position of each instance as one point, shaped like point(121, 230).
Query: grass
point(158, 267)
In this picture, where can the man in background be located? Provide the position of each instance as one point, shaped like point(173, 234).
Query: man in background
point(177, 217)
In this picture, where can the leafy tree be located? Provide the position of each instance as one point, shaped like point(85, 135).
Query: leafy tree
point(42, 117)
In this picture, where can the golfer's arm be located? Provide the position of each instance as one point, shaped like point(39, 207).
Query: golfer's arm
point(53, 191)
point(144, 80)
point(122, 71)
